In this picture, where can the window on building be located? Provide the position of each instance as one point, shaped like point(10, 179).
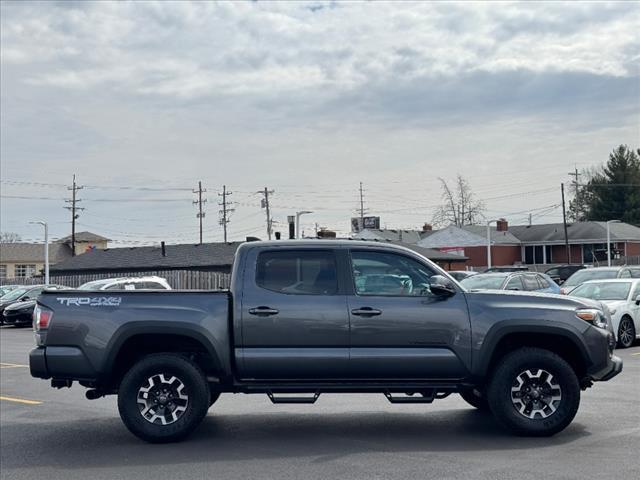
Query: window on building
point(3, 271)
point(533, 255)
point(25, 271)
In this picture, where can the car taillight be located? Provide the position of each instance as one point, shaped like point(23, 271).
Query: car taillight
point(41, 318)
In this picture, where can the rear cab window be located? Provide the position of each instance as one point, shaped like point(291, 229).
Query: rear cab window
point(298, 272)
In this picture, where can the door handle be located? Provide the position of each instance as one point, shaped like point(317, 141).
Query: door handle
point(266, 311)
point(366, 312)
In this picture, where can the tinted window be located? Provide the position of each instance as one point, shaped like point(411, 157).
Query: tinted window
point(554, 272)
point(115, 286)
point(298, 272)
point(379, 273)
point(150, 286)
point(530, 282)
point(514, 284)
point(635, 272)
point(490, 281)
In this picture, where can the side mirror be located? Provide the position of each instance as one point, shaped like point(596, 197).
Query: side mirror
point(24, 299)
point(638, 300)
point(441, 286)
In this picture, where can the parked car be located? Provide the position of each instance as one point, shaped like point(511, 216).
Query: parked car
point(561, 273)
point(622, 297)
point(462, 274)
point(598, 273)
point(4, 289)
point(526, 281)
point(21, 313)
point(510, 268)
point(325, 316)
point(19, 295)
point(128, 283)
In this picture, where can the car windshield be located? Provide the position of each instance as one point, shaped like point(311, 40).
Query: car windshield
point(95, 285)
point(603, 290)
point(489, 282)
point(14, 294)
point(582, 276)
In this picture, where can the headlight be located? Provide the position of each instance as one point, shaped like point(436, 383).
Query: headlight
point(593, 316)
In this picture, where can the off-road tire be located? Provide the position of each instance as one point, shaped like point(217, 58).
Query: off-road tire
point(196, 389)
point(507, 374)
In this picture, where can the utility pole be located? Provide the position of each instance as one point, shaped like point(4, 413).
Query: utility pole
point(74, 209)
point(265, 204)
point(564, 222)
point(200, 202)
point(576, 186)
point(224, 218)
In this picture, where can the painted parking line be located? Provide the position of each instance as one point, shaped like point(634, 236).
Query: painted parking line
point(635, 354)
point(12, 365)
point(20, 400)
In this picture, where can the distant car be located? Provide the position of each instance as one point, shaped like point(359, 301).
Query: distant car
point(21, 313)
point(598, 273)
point(129, 283)
point(622, 297)
point(462, 274)
point(510, 268)
point(524, 281)
point(561, 273)
point(21, 295)
point(4, 289)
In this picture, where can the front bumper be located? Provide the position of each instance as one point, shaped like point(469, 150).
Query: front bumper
point(613, 368)
point(17, 317)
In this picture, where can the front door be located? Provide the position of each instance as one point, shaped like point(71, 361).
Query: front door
point(295, 323)
point(399, 329)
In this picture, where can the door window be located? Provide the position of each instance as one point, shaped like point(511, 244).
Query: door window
point(379, 273)
point(625, 274)
point(298, 272)
point(530, 282)
point(542, 281)
point(514, 283)
point(635, 293)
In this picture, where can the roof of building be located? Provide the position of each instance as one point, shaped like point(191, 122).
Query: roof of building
point(207, 255)
point(84, 237)
point(595, 232)
point(33, 252)
point(392, 235)
point(497, 237)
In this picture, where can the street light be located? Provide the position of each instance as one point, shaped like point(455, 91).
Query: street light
point(303, 212)
point(609, 222)
point(46, 249)
point(489, 222)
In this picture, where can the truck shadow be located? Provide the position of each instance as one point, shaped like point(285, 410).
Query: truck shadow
point(106, 442)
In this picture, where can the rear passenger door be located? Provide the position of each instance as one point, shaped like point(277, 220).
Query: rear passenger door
point(295, 323)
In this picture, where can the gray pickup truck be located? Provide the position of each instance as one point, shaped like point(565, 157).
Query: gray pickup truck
point(308, 317)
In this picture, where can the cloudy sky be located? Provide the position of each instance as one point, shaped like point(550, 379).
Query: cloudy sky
point(141, 100)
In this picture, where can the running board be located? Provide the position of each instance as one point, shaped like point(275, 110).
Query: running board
point(292, 399)
point(419, 397)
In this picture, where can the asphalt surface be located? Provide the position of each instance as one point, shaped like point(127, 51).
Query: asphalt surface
point(342, 436)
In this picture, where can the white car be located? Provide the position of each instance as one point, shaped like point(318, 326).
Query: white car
point(622, 298)
point(130, 283)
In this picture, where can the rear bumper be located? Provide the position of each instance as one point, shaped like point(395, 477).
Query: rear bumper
point(60, 363)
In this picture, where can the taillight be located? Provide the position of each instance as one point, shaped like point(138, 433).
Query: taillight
point(41, 318)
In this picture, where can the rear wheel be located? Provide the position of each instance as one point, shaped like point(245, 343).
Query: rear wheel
point(163, 398)
point(626, 332)
point(475, 399)
point(534, 392)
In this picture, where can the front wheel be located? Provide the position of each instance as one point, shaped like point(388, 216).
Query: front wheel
point(534, 392)
point(163, 398)
point(626, 333)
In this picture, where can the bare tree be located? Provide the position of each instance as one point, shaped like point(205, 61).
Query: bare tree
point(460, 207)
point(9, 237)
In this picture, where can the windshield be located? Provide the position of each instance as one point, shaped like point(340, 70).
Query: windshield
point(95, 285)
point(582, 276)
point(603, 290)
point(489, 282)
point(14, 294)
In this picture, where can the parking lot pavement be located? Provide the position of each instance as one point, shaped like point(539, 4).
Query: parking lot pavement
point(59, 434)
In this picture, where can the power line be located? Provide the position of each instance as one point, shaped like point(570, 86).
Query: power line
point(200, 202)
point(224, 219)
